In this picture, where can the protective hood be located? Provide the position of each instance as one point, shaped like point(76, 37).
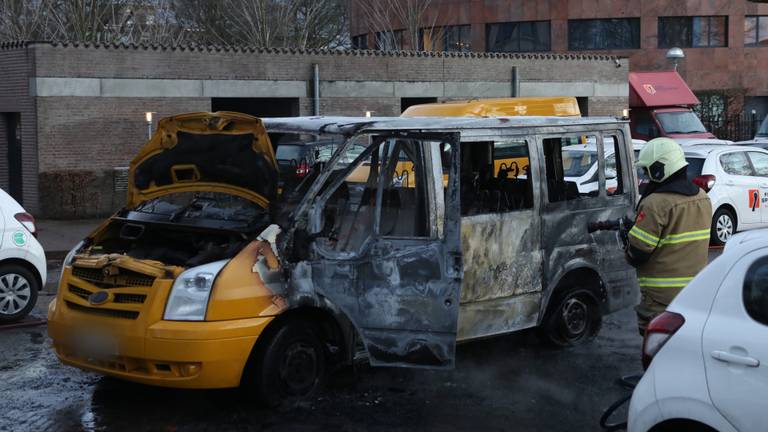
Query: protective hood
point(208, 152)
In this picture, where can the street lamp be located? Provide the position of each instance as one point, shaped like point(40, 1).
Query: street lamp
point(675, 54)
point(148, 118)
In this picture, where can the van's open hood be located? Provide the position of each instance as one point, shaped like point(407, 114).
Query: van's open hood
point(210, 152)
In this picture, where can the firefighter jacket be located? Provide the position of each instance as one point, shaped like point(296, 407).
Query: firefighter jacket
point(670, 240)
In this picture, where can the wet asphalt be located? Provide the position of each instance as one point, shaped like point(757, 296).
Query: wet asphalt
point(506, 383)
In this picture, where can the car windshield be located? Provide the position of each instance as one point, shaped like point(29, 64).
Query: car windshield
point(680, 122)
point(577, 163)
point(763, 128)
point(288, 152)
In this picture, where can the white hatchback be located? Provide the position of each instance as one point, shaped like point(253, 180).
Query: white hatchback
point(736, 180)
point(22, 261)
point(708, 352)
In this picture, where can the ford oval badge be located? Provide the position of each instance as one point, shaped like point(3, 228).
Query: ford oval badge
point(98, 298)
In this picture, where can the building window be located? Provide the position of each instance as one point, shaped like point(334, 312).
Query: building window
point(389, 40)
point(518, 36)
point(600, 34)
point(693, 32)
point(449, 38)
point(756, 31)
point(360, 42)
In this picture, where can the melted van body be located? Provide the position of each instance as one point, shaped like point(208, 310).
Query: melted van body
point(409, 239)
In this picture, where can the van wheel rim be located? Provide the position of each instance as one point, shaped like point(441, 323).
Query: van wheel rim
point(299, 368)
point(15, 293)
point(724, 228)
point(575, 317)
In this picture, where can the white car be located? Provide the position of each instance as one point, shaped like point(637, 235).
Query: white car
point(708, 352)
point(580, 163)
point(736, 180)
point(22, 261)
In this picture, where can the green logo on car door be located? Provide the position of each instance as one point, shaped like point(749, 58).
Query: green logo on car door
point(19, 238)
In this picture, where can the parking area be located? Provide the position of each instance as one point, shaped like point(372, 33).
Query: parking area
point(497, 384)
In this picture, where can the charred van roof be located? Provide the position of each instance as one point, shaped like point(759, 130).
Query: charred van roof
point(351, 125)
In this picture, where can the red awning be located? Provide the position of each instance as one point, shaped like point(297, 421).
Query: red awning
point(657, 89)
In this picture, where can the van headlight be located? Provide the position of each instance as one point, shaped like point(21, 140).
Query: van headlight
point(190, 292)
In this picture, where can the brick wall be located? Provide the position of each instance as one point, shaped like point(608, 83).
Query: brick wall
point(82, 140)
point(16, 66)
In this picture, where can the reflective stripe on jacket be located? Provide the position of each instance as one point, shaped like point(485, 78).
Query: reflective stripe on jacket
point(673, 230)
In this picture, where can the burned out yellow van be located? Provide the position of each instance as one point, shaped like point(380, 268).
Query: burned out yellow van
point(208, 279)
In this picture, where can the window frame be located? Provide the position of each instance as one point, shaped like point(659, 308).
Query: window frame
point(756, 43)
point(622, 163)
point(602, 31)
point(751, 162)
point(585, 202)
point(746, 284)
point(440, 33)
point(690, 24)
point(488, 27)
point(361, 37)
point(397, 40)
point(746, 156)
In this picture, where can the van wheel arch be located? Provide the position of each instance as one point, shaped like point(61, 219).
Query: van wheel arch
point(320, 322)
point(580, 294)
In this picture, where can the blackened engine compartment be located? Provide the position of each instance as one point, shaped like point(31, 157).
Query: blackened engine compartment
point(171, 244)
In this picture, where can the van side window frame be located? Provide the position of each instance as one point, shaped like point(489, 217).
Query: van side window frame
point(622, 162)
point(534, 171)
point(587, 202)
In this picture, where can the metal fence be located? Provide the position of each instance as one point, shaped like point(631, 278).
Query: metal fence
point(739, 127)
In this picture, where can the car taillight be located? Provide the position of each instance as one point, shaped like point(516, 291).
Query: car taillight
point(658, 333)
point(28, 221)
point(706, 182)
point(302, 169)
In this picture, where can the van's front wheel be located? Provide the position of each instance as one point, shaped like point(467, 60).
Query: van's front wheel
point(290, 366)
point(574, 319)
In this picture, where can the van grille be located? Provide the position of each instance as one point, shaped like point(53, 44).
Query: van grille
point(130, 298)
point(111, 313)
point(118, 298)
point(126, 278)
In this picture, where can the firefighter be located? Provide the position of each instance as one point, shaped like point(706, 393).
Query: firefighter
point(668, 244)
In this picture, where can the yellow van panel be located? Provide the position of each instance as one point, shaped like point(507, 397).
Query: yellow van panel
point(565, 106)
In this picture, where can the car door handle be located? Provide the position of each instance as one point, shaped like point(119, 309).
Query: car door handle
point(734, 358)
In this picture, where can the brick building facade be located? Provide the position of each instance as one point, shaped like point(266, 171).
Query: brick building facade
point(80, 109)
point(725, 41)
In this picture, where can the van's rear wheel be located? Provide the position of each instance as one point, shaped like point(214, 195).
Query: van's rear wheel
point(290, 366)
point(574, 319)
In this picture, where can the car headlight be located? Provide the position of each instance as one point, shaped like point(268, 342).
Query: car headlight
point(188, 300)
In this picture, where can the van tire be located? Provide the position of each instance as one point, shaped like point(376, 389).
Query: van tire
point(24, 285)
point(724, 219)
point(289, 367)
point(574, 318)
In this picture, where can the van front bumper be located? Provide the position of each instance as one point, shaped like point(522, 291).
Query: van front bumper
point(168, 354)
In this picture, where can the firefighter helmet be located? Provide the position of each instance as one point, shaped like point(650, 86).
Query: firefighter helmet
point(660, 158)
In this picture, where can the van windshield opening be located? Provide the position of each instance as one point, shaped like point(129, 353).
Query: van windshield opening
point(680, 122)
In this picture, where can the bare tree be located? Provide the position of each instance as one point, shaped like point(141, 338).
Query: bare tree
point(387, 18)
point(266, 23)
point(24, 20)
